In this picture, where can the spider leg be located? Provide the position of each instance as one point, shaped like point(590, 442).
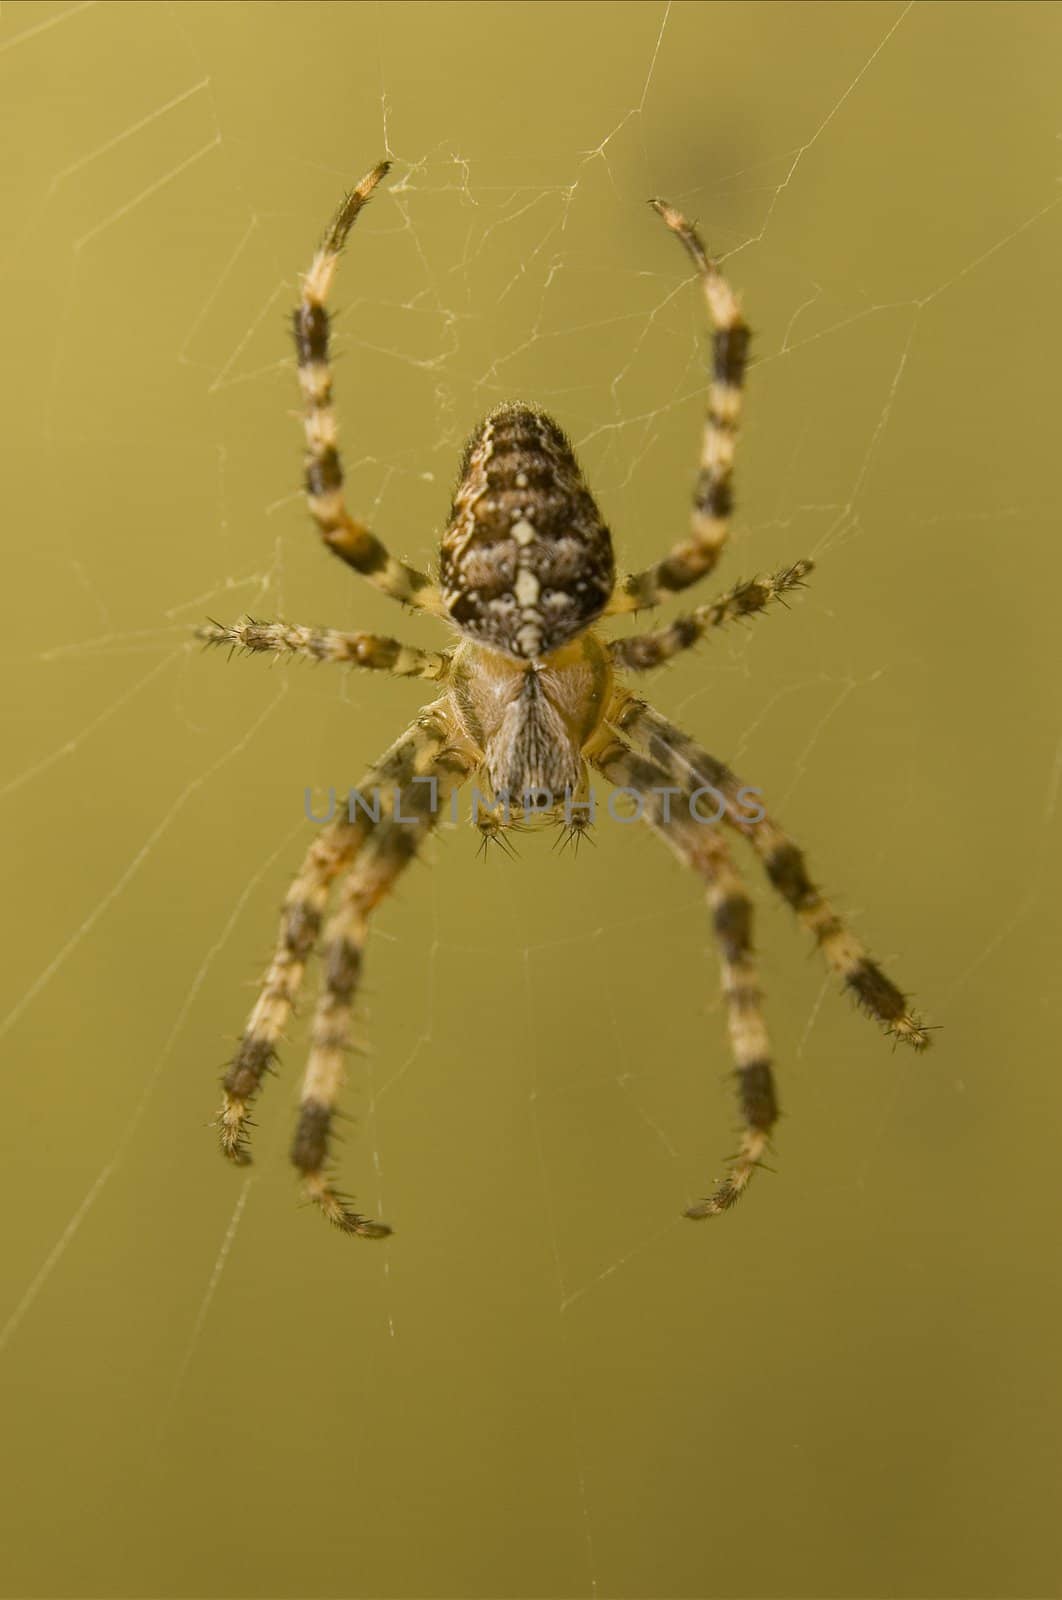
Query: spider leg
point(703, 848)
point(351, 540)
point(332, 850)
point(642, 651)
point(328, 644)
point(695, 556)
point(391, 846)
point(689, 765)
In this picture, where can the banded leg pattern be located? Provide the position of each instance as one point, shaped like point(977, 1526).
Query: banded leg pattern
point(332, 850)
point(393, 844)
point(705, 850)
point(328, 644)
point(784, 863)
point(642, 651)
point(696, 555)
point(351, 540)
point(299, 929)
point(864, 979)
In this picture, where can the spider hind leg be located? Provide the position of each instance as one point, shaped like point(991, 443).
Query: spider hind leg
point(783, 861)
point(418, 765)
point(702, 847)
point(392, 844)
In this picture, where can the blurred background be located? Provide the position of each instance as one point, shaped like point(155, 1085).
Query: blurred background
point(547, 1383)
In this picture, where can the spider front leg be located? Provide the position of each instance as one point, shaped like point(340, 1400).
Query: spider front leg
point(695, 556)
point(328, 644)
point(690, 766)
point(334, 848)
point(351, 540)
point(393, 843)
point(700, 846)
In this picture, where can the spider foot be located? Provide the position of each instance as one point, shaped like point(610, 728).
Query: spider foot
point(343, 221)
point(875, 993)
point(754, 1146)
point(687, 232)
point(338, 1212)
point(233, 1123)
point(908, 1030)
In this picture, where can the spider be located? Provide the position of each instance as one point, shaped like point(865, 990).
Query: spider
point(530, 700)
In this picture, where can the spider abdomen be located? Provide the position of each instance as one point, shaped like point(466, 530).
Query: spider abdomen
point(526, 560)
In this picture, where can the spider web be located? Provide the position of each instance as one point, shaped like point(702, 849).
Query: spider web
point(559, 1382)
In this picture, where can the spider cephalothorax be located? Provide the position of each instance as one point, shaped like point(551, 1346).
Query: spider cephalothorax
point(530, 701)
point(532, 721)
point(526, 566)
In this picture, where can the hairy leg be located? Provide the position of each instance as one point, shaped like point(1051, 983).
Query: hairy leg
point(695, 556)
point(687, 764)
point(703, 848)
point(392, 845)
point(642, 651)
point(328, 644)
point(351, 540)
point(304, 905)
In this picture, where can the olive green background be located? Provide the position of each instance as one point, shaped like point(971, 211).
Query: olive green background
point(547, 1383)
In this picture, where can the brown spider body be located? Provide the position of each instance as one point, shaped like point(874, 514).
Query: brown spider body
point(531, 698)
point(526, 561)
point(530, 722)
point(526, 567)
